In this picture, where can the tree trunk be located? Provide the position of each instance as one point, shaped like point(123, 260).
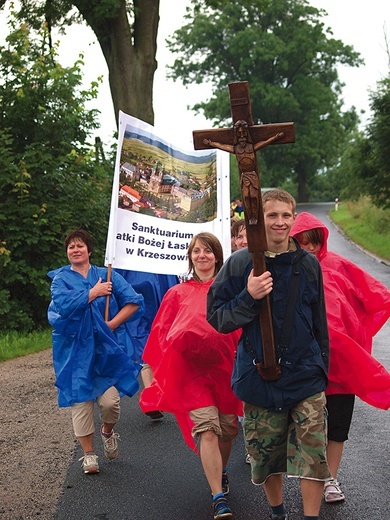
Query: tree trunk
point(130, 53)
point(302, 184)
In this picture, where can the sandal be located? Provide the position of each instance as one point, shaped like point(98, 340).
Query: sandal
point(332, 492)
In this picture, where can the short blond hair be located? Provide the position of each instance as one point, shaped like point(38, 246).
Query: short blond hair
point(281, 195)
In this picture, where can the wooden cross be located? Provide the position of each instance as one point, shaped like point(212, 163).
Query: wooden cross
point(244, 139)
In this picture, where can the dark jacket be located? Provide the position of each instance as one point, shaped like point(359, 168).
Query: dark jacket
point(304, 364)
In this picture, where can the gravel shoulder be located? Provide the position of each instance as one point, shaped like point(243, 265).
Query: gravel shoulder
point(36, 439)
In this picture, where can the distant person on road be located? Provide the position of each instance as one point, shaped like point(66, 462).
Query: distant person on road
point(284, 419)
point(192, 366)
point(357, 306)
point(238, 208)
point(93, 358)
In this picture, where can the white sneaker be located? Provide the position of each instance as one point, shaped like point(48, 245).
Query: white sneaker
point(110, 445)
point(90, 463)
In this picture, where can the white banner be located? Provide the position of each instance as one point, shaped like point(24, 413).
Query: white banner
point(162, 196)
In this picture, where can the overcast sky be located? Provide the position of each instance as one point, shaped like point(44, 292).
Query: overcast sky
point(362, 25)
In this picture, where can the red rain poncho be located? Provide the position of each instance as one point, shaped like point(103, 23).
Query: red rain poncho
point(357, 306)
point(192, 363)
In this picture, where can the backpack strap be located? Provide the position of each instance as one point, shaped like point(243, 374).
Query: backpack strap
point(285, 336)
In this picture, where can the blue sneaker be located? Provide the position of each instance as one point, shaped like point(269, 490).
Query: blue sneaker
point(221, 509)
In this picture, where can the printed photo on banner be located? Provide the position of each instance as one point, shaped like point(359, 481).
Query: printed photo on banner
point(158, 180)
point(162, 195)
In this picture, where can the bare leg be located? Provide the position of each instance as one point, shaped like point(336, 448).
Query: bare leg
point(311, 496)
point(225, 447)
point(146, 376)
point(273, 488)
point(107, 427)
point(334, 452)
point(86, 443)
point(332, 490)
point(211, 458)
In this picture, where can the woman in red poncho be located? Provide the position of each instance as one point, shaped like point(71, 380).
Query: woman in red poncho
point(192, 365)
point(357, 306)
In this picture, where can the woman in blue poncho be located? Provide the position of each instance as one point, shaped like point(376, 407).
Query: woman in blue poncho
point(94, 359)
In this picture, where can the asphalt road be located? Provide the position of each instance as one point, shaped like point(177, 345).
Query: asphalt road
point(157, 477)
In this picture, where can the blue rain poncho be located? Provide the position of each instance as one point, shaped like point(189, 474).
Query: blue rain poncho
point(153, 287)
point(88, 357)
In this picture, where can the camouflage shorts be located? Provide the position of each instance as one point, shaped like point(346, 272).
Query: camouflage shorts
point(292, 441)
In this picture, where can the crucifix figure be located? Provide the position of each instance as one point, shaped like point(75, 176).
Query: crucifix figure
point(244, 139)
point(245, 152)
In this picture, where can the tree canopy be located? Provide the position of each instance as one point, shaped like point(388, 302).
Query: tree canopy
point(289, 58)
point(50, 181)
point(127, 34)
point(373, 166)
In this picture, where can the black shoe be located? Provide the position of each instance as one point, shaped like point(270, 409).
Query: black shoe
point(225, 484)
point(279, 517)
point(155, 415)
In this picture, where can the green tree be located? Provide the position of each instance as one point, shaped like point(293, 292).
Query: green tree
point(342, 180)
point(283, 50)
point(49, 179)
point(127, 34)
point(373, 153)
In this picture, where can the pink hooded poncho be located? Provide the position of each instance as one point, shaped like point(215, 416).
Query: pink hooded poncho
point(357, 306)
point(192, 363)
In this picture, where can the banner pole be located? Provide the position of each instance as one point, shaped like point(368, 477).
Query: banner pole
point(111, 233)
point(107, 309)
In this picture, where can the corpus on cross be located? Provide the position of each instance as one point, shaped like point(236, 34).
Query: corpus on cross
point(243, 140)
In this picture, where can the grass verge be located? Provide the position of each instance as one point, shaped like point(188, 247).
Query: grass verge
point(15, 344)
point(365, 225)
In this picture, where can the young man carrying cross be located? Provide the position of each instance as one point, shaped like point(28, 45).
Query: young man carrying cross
point(285, 419)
